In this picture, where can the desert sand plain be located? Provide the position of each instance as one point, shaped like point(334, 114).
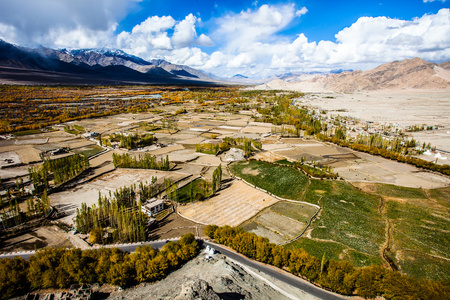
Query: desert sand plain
point(402, 107)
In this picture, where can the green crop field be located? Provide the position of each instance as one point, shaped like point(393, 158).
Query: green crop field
point(89, 151)
point(350, 216)
point(27, 132)
point(352, 224)
point(299, 212)
point(282, 181)
point(421, 236)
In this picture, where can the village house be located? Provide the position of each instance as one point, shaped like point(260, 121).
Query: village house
point(152, 207)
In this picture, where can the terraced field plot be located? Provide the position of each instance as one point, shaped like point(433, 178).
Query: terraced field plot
point(420, 229)
point(349, 217)
point(282, 181)
point(282, 221)
point(230, 206)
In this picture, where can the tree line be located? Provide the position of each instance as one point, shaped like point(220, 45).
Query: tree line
point(132, 141)
point(59, 268)
point(120, 213)
point(144, 161)
point(418, 162)
point(62, 169)
point(339, 276)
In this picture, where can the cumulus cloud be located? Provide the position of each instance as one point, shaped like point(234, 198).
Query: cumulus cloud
point(204, 40)
point(151, 39)
point(39, 21)
point(365, 44)
point(248, 42)
point(239, 30)
point(185, 32)
point(147, 36)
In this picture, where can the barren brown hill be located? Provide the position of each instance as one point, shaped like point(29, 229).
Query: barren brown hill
point(413, 73)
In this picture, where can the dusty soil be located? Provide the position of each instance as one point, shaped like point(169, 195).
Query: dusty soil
point(10, 155)
point(230, 206)
point(49, 236)
point(258, 229)
point(290, 228)
point(175, 226)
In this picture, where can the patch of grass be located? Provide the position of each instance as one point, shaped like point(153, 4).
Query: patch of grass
point(285, 162)
point(350, 217)
point(420, 265)
point(159, 216)
point(399, 191)
point(421, 228)
point(89, 151)
point(300, 212)
point(27, 132)
point(441, 196)
point(282, 181)
point(331, 249)
point(75, 129)
point(360, 259)
point(317, 189)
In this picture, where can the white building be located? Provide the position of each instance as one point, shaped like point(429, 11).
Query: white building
point(152, 207)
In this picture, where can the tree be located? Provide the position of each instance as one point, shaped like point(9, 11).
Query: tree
point(217, 178)
point(96, 236)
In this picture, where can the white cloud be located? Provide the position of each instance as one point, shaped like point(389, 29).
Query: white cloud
point(148, 36)
point(204, 40)
point(247, 42)
point(301, 12)
point(185, 33)
point(152, 39)
point(239, 30)
point(79, 37)
point(38, 22)
point(429, 1)
point(365, 44)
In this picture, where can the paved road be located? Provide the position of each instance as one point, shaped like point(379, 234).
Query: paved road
point(124, 247)
point(278, 274)
point(269, 270)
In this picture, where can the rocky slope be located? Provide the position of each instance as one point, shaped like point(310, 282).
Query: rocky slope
point(213, 278)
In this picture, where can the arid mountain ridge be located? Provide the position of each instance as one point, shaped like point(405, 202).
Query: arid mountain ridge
point(414, 73)
point(107, 66)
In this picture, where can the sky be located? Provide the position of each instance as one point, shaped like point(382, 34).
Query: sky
point(257, 39)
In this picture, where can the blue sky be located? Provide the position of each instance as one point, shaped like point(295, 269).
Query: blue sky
point(254, 38)
point(318, 24)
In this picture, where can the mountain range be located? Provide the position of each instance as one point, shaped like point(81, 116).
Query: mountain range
point(414, 73)
point(20, 65)
point(90, 66)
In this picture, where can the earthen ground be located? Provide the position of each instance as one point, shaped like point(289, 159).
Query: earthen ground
point(175, 226)
point(231, 206)
point(49, 236)
point(68, 201)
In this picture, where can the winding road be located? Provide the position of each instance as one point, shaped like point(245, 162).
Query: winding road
point(273, 272)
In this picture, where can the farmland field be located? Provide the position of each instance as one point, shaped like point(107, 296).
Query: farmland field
point(282, 221)
point(282, 181)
